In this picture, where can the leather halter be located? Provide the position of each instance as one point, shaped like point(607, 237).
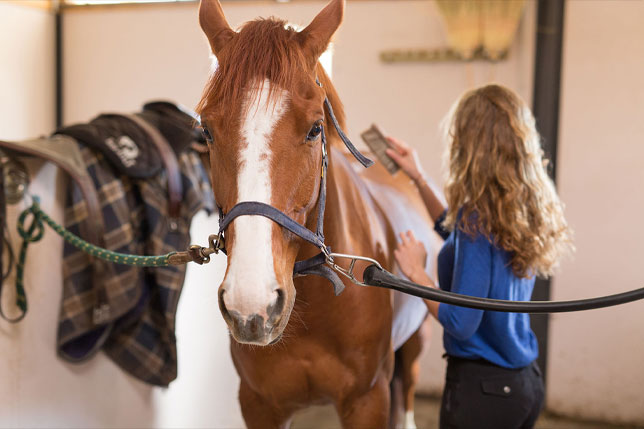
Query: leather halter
point(315, 265)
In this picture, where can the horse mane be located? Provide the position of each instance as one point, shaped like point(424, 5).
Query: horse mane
point(263, 49)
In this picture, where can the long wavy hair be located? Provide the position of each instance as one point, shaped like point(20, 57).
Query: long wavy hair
point(497, 183)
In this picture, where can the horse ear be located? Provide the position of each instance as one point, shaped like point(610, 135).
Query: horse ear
point(214, 24)
point(316, 37)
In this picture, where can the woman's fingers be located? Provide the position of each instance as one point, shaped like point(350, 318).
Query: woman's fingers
point(405, 157)
point(400, 146)
point(394, 155)
point(411, 238)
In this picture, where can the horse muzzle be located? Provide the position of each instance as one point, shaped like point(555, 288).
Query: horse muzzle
point(260, 328)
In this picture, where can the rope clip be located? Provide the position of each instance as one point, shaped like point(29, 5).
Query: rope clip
point(348, 272)
point(201, 255)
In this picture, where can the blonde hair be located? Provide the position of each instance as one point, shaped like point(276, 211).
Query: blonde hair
point(497, 183)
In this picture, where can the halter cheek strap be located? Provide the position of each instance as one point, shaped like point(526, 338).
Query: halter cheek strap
point(315, 265)
point(366, 162)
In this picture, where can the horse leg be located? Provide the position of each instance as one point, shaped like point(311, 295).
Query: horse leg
point(410, 371)
point(397, 403)
point(258, 413)
point(371, 410)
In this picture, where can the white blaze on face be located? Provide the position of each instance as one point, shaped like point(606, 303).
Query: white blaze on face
point(250, 283)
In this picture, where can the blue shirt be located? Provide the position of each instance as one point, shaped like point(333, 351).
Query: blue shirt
point(474, 266)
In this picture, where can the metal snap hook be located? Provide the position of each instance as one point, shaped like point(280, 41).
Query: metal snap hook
point(16, 178)
point(348, 272)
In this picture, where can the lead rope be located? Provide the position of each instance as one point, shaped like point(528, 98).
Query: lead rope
point(35, 231)
point(195, 253)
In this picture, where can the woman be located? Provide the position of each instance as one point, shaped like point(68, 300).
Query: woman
point(504, 225)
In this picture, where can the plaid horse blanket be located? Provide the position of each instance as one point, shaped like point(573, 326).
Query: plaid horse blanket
point(136, 321)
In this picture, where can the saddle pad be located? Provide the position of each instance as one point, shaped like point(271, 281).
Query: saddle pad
point(138, 331)
point(129, 148)
point(177, 124)
point(409, 313)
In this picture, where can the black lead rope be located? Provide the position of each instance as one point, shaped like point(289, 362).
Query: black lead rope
point(375, 276)
point(366, 162)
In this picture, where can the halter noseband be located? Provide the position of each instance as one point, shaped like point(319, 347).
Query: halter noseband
point(315, 265)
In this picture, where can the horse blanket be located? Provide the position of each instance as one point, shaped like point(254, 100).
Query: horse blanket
point(129, 312)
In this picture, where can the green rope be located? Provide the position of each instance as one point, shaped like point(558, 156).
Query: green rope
point(89, 248)
point(35, 232)
point(32, 234)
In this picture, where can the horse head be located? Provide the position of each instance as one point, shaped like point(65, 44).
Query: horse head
point(263, 111)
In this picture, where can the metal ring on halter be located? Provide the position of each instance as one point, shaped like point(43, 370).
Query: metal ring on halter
point(348, 272)
point(217, 242)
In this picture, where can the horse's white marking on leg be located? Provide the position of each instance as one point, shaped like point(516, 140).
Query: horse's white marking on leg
point(409, 422)
point(250, 282)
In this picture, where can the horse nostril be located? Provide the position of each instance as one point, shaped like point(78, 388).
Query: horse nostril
point(274, 310)
point(255, 326)
point(222, 305)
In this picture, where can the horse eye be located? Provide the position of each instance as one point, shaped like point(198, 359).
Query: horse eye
point(206, 134)
point(315, 131)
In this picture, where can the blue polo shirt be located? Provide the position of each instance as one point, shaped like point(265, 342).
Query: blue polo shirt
point(474, 266)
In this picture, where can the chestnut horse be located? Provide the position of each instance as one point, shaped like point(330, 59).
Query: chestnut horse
point(295, 342)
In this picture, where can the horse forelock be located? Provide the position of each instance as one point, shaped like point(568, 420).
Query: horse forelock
point(263, 50)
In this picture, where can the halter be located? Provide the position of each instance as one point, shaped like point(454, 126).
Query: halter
point(315, 265)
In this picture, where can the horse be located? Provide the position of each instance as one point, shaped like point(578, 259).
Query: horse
point(294, 342)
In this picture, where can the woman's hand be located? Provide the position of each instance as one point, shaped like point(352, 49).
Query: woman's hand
point(411, 256)
point(406, 158)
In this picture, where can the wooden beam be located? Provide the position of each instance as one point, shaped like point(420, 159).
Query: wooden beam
point(38, 4)
point(436, 55)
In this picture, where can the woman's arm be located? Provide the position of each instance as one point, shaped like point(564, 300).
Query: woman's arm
point(407, 159)
point(411, 256)
point(423, 279)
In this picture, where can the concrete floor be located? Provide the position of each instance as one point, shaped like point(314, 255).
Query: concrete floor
point(426, 412)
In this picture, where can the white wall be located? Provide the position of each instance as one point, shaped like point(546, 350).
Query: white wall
point(596, 357)
point(26, 71)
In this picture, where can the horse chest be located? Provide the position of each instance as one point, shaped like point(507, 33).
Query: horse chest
point(303, 371)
